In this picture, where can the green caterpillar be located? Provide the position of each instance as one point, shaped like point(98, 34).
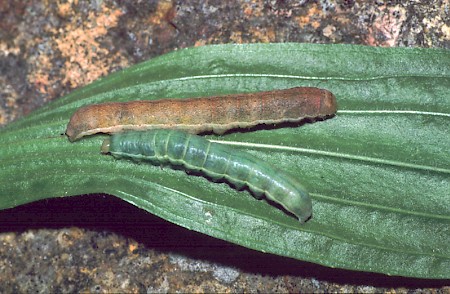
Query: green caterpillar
point(217, 161)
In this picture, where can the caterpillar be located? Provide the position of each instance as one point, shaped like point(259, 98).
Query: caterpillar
point(217, 161)
point(196, 115)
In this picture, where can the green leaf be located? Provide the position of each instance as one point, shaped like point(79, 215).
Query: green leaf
point(378, 173)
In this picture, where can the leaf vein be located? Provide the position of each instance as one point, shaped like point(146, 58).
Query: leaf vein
point(337, 155)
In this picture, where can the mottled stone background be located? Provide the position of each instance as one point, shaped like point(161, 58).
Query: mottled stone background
point(98, 243)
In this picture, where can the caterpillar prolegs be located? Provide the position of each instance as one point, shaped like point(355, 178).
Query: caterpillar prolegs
point(214, 160)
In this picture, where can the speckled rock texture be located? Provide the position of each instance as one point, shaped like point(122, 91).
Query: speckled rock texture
point(97, 243)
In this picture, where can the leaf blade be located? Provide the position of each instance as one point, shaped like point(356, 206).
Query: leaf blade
point(379, 180)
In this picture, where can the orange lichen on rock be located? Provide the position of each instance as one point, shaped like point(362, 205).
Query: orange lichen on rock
point(85, 57)
point(165, 10)
point(312, 18)
point(78, 41)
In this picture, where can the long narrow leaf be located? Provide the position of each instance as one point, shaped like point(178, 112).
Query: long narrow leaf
point(378, 173)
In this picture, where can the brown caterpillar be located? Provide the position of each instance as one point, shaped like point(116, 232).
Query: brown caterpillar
point(196, 115)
